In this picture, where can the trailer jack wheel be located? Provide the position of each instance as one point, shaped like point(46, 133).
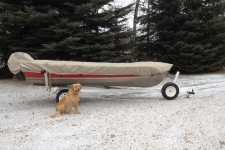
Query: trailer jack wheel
point(170, 91)
point(60, 95)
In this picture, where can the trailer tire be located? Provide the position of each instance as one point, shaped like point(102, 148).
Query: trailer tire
point(170, 91)
point(60, 95)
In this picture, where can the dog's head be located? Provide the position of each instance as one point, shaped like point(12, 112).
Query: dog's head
point(76, 87)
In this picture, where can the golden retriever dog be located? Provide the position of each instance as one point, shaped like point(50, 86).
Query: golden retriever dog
point(71, 99)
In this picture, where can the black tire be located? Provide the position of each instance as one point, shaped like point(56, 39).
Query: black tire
point(60, 94)
point(170, 91)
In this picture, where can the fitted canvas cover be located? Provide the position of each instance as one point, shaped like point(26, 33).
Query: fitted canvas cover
point(23, 62)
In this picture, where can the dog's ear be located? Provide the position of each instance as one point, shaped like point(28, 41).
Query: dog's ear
point(80, 85)
point(73, 86)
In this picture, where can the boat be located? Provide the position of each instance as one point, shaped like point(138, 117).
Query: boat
point(53, 73)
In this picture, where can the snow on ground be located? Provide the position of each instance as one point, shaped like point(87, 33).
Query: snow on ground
point(129, 119)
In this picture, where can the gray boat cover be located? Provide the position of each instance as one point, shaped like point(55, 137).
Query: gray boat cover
point(23, 62)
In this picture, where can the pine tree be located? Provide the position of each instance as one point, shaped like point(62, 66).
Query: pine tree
point(97, 35)
point(87, 30)
point(187, 33)
point(24, 26)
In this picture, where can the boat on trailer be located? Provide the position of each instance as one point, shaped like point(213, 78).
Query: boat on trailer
point(62, 74)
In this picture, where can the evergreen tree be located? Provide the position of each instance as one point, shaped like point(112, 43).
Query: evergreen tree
point(24, 25)
point(187, 33)
point(87, 30)
point(97, 34)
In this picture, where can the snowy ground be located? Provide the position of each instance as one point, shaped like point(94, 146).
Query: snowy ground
point(116, 119)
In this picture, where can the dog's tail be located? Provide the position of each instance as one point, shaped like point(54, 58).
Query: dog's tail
point(56, 114)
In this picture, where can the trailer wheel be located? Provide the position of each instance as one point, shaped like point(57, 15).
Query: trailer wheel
point(60, 95)
point(170, 91)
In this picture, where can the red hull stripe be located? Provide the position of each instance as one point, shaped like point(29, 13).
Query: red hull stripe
point(39, 75)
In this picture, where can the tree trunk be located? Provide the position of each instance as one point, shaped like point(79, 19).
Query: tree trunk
point(148, 24)
point(135, 19)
